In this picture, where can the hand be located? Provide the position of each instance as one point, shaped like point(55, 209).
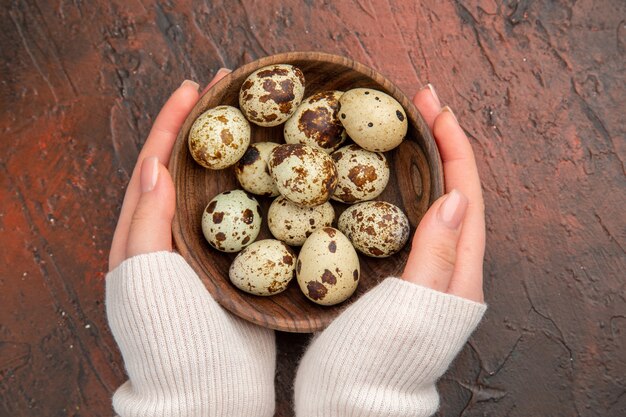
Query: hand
point(387, 349)
point(145, 222)
point(449, 243)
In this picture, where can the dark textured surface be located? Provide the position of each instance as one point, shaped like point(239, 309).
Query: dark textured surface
point(538, 86)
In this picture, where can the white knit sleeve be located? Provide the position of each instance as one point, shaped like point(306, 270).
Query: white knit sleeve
point(384, 353)
point(185, 356)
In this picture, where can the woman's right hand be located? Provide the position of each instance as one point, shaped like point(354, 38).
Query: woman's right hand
point(384, 353)
point(449, 243)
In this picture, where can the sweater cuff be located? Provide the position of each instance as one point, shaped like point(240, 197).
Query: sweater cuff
point(386, 351)
point(415, 304)
point(155, 265)
point(184, 354)
point(414, 322)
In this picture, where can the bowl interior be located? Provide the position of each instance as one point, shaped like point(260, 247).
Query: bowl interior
point(416, 181)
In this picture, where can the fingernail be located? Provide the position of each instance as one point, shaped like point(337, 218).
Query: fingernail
point(452, 209)
point(448, 109)
point(149, 173)
point(194, 84)
point(434, 93)
point(223, 71)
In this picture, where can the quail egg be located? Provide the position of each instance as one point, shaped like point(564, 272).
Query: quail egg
point(231, 221)
point(264, 268)
point(328, 267)
point(316, 122)
point(363, 175)
point(293, 224)
point(375, 228)
point(270, 95)
point(252, 171)
point(219, 137)
point(373, 119)
point(305, 176)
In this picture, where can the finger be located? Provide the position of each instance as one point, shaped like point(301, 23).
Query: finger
point(433, 254)
point(169, 121)
point(159, 143)
point(461, 173)
point(221, 73)
point(460, 170)
point(151, 225)
point(428, 104)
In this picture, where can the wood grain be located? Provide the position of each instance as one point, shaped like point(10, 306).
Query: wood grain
point(415, 166)
point(537, 85)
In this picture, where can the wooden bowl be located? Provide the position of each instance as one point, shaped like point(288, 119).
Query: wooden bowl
point(416, 181)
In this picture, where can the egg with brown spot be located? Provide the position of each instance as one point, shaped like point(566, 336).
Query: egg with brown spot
point(293, 224)
point(264, 268)
point(305, 176)
point(328, 267)
point(376, 228)
point(270, 95)
point(219, 137)
point(362, 175)
point(252, 171)
point(374, 120)
point(231, 221)
point(316, 122)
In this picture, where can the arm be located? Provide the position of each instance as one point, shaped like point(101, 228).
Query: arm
point(185, 356)
point(383, 355)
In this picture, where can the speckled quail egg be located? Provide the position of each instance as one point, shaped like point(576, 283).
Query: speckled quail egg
point(264, 268)
point(373, 119)
point(375, 228)
point(363, 175)
point(293, 224)
point(270, 95)
point(305, 176)
point(231, 221)
point(328, 267)
point(219, 137)
point(316, 122)
point(252, 171)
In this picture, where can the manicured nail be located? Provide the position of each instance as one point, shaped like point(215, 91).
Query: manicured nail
point(191, 83)
point(448, 109)
point(223, 71)
point(452, 209)
point(434, 93)
point(149, 173)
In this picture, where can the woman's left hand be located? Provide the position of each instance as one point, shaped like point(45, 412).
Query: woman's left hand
point(145, 222)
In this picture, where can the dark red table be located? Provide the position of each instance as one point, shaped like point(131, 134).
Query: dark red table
point(538, 86)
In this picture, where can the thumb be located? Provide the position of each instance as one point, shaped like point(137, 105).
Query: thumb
point(221, 73)
point(433, 254)
point(151, 224)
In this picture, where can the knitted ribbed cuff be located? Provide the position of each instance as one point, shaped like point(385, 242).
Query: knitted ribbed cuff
point(384, 353)
point(185, 355)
